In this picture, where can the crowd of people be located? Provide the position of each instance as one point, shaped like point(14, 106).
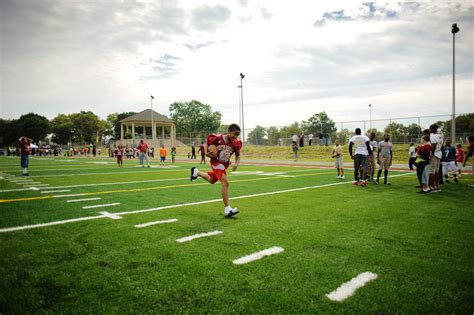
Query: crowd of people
point(434, 159)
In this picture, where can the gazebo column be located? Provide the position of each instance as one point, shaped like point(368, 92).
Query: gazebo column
point(173, 134)
point(153, 131)
point(121, 133)
point(163, 133)
point(133, 130)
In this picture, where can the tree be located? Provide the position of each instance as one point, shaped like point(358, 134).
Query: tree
point(87, 125)
point(273, 134)
point(464, 125)
point(223, 129)
point(395, 130)
point(33, 126)
point(413, 131)
point(194, 117)
point(257, 135)
point(7, 134)
point(319, 123)
point(114, 122)
point(63, 129)
point(288, 131)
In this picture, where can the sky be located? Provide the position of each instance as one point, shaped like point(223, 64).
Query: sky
point(299, 57)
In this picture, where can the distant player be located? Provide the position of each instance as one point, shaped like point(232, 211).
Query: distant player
point(226, 145)
point(143, 149)
point(384, 159)
point(25, 150)
point(162, 156)
point(202, 149)
point(338, 159)
point(119, 155)
point(173, 155)
point(448, 161)
point(362, 152)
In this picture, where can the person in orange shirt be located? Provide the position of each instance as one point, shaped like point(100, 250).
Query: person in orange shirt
point(162, 156)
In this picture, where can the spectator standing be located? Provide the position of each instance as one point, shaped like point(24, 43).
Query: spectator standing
point(310, 139)
point(436, 141)
point(301, 139)
point(361, 144)
point(294, 146)
point(173, 154)
point(25, 149)
point(448, 161)
point(162, 156)
point(193, 151)
point(411, 156)
point(459, 158)
point(202, 149)
point(384, 158)
point(143, 150)
point(338, 159)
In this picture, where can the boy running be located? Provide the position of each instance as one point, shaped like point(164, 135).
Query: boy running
point(227, 145)
point(384, 159)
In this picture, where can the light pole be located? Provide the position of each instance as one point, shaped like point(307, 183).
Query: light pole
point(151, 100)
point(242, 76)
point(240, 110)
point(454, 30)
point(370, 116)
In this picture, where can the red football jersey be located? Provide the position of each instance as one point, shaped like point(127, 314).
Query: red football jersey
point(225, 150)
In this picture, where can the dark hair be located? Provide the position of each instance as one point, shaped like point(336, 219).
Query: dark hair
point(470, 138)
point(434, 127)
point(357, 131)
point(425, 132)
point(233, 127)
point(426, 138)
point(372, 134)
point(411, 143)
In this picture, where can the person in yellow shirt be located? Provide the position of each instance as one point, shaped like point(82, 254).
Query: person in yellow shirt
point(339, 162)
point(162, 156)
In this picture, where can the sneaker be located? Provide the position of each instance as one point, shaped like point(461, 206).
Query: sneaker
point(25, 174)
point(338, 176)
point(232, 212)
point(342, 177)
point(355, 182)
point(194, 174)
point(423, 192)
point(363, 183)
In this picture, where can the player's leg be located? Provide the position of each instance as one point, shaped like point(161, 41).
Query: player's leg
point(228, 210)
point(195, 173)
point(356, 168)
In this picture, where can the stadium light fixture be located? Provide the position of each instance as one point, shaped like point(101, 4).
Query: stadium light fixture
point(242, 76)
point(454, 30)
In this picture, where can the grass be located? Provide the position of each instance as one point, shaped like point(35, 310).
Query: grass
point(419, 246)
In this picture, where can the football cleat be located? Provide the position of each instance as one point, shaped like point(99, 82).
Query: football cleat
point(232, 212)
point(194, 174)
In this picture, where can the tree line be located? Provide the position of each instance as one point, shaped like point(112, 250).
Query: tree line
point(192, 118)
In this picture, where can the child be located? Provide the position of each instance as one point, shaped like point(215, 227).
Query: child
point(423, 163)
point(459, 158)
point(448, 161)
point(173, 154)
point(202, 149)
point(295, 150)
point(384, 159)
point(227, 145)
point(162, 156)
point(25, 150)
point(119, 154)
point(339, 162)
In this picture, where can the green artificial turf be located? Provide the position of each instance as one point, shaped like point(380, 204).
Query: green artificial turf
point(420, 246)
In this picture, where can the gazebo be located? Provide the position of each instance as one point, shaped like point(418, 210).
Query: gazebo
point(144, 127)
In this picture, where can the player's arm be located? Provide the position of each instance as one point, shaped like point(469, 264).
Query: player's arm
point(237, 161)
point(350, 149)
point(367, 144)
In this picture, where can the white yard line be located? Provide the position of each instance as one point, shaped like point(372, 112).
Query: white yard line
point(118, 172)
point(348, 289)
point(112, 216)
point(25, 227)
point(86, 199)
point(100, 206)
point(155, 222)
point(195, 236)
point(54, 191)
point(258, 255)
point(36, 185)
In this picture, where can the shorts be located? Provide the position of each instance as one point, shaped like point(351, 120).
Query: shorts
point(384, 163)
point(372, 163)
point(217, 170)
point(339, 162)
point(435, 163)
point(449, 166)
point(361, 160)
point(119, 158)
point(162, 158)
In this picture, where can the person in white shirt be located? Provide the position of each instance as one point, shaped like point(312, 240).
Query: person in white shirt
point(362, 152)
point(374, 146)
point(436, 141)
point(310, 139)
point(294, 138)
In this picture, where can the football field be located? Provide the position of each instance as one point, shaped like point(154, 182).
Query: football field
point(82, 235)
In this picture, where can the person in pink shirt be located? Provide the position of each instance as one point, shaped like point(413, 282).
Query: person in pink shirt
point(143, 151)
